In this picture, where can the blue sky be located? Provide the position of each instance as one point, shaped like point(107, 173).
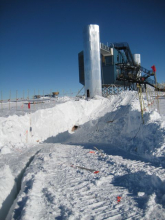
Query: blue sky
point(40, 39)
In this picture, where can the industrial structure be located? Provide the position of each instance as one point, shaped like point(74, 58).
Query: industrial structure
point(102, 67)
point(91, 61)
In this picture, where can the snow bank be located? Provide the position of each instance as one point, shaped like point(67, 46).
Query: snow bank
point(57, 182)
point(115, 121)
point(8, 190)
point(121, 125)
point(5, 150)
point(7, 178)
point(11, 171)
point(15, 130)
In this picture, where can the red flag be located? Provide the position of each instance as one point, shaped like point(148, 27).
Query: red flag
point(153, 68)
point(96, 171)
point(29, 105)
point(92, 152)
point(118, 198)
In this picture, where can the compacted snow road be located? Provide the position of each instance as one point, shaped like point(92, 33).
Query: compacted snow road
point(111, 167)
point(59, 185)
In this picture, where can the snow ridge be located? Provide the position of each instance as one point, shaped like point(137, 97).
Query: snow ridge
point(59, 182)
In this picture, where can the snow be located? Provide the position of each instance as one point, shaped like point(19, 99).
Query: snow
point(5, 150)
point(47, 171)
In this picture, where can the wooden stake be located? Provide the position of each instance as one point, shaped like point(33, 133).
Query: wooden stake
point(99, 151)
point(140, 100)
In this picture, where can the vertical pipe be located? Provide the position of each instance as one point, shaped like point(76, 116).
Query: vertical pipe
point(92, 67)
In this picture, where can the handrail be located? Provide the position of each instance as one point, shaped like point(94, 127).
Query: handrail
point(125, 46)
point(104, 47)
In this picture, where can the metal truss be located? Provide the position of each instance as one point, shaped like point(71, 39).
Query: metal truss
point(113, 89)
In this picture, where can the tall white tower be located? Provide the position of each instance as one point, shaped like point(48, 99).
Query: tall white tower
point(92, 66)
point(137, 60)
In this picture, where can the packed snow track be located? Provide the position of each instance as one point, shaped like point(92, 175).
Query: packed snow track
point(111, 167)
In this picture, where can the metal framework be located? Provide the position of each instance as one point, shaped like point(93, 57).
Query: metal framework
point(114, 89)
point(130, 71)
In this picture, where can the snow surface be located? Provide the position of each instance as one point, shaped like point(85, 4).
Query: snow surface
point(47, 171)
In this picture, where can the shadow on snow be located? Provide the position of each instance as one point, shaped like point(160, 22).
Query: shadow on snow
point(146, 184)
point(120, 132)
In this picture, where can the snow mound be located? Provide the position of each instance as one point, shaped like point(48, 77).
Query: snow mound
point(154, 116)
point(5, 150)
point(115, 121)
point(110, 167)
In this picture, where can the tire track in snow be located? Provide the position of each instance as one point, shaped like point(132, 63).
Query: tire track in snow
point(18, 179)
point(57, 190)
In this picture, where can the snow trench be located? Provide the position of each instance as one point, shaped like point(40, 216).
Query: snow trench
point(124, 122)
point(9, 201)
point(104, 124)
